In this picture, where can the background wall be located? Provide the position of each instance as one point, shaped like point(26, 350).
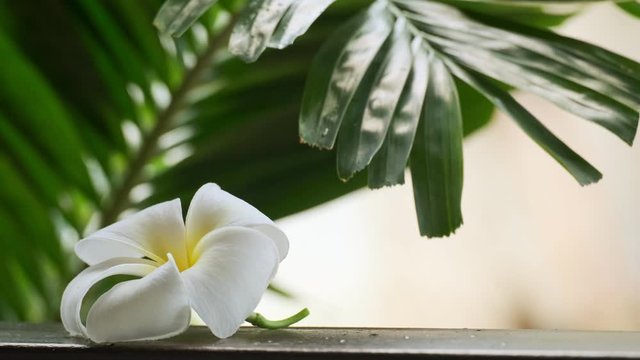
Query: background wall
point(536, 250)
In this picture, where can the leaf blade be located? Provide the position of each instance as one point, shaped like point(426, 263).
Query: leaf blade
point(373, 105)
point(537, 61)
point(436, 158)
point(388, 165)
point(336, 72)
point(579, 168)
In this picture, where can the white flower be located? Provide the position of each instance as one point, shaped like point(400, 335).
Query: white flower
point(219, 262)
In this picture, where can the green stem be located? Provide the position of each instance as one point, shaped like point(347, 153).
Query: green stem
point(260, 321)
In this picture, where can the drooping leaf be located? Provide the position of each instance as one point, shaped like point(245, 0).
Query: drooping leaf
point(436, 158)
point(557, 68)
point(373, 104)
point(387, 168)
point(336, 73)
point(581, 170)
point(388, 165)
point(528, 62)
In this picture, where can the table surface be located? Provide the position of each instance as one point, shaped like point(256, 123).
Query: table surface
point(50, 341)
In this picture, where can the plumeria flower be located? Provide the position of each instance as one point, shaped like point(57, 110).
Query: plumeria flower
point(218, 262)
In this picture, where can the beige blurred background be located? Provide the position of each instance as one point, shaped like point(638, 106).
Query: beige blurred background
point(536, 250)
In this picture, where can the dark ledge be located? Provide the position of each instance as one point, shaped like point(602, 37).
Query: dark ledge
point(50, 341)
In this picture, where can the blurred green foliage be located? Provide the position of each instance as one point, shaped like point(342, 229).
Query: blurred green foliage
point(85, 83)
point(99, 114)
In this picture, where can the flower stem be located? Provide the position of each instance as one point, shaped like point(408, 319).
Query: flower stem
point(260, 321)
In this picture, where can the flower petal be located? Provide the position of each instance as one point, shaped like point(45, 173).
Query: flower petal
point(152, 232)
point(153, 307)
point(233, 267)
point(277, 235)
point(212, 208)
point(78, 287)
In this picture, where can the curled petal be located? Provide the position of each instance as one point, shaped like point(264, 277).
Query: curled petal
point(278, 236)
point(152, 232)
point(77, 289)
point(212, 208)
point(233, 268)
point(153, 307)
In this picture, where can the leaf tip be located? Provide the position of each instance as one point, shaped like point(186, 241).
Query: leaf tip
point(440, 233)
point(634, 129)
point(314, 144)
point(590, 180)
point(384, 184)
point(344, 178)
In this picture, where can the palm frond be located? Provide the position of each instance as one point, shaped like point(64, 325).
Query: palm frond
point(358, 88)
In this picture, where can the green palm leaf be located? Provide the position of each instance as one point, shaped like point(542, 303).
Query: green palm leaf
point(346, 97)
point(436, 159)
